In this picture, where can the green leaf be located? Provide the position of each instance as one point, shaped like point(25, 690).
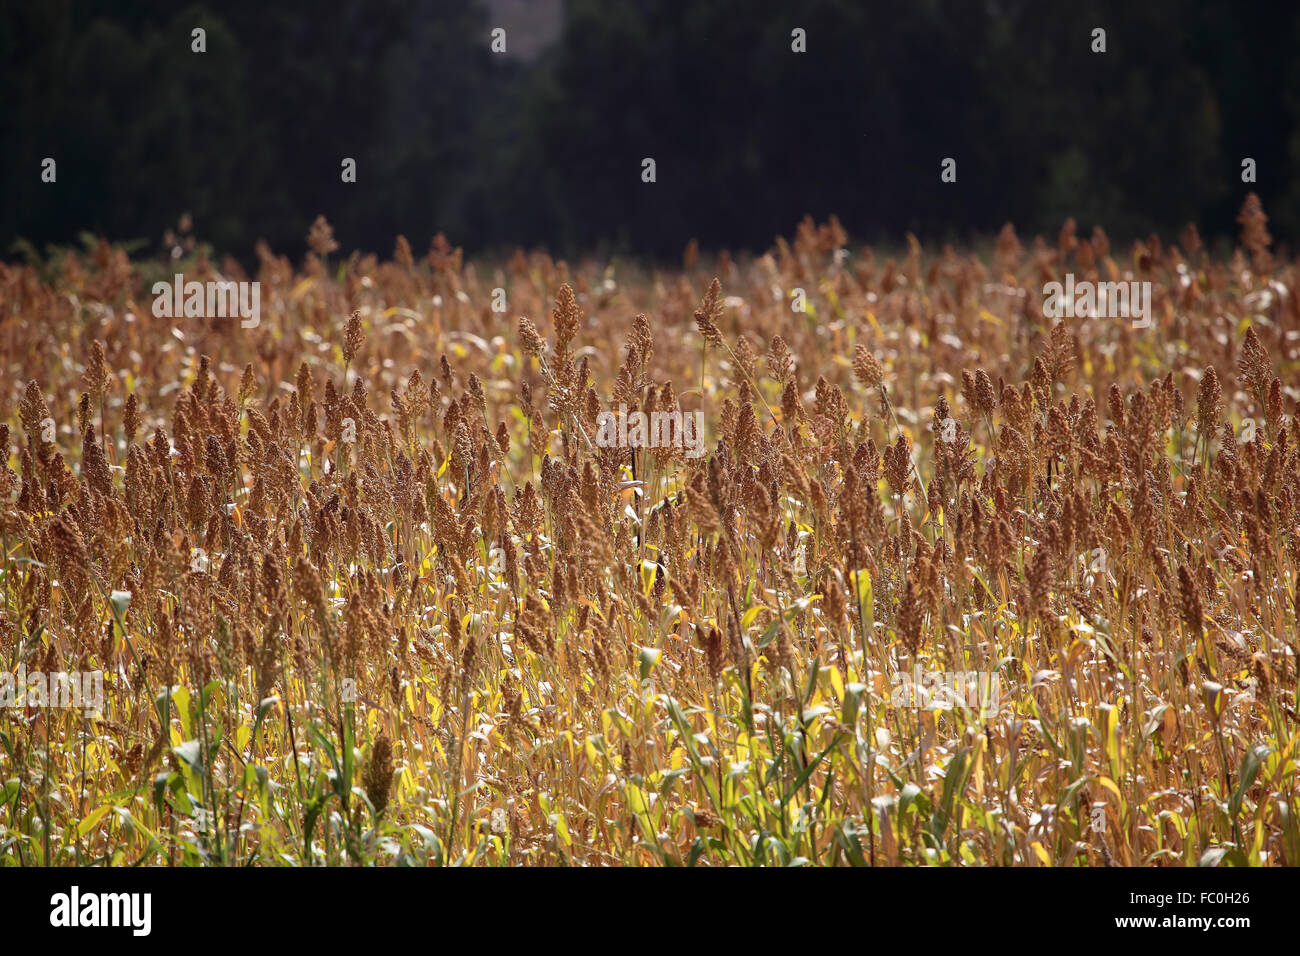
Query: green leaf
point(189, 752)
point(910, 793)
point(1246, 775)
point(648, 657)
point(768, 635)
point(88, 824)
point(852, 701)
point(120, 600)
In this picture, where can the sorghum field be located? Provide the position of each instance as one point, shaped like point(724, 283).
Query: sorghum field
point(365, 589)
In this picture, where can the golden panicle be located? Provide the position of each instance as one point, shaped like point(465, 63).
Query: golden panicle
point(377, 780)
point(1208, 402)
point(529, 338)
point(131, 417)
point(566, 317)
point(97, 373)
point(353, 337)
point(1254, 232)
point(866, 369)
point(707, 315)
point(321, 237)
point(1254, 364)
point(1190, 602)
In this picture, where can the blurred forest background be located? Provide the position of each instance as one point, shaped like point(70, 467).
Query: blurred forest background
point(543, 146)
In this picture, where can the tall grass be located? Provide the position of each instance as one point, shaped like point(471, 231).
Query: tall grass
point(365, 589)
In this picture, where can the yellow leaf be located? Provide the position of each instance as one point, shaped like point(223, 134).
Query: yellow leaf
point(1076, 651)
point(88, 824)
point(636, 801)
point(1110, 785)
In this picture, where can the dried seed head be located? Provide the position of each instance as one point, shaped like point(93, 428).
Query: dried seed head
point(321, 237)
point(353, 337)
point(1190, 601)
point(69, 545)
point(566, 317)
point(1253, 362)
point(378, 778)
point(95, 378)
point(985, 396)
point(898, 464)
point(131, 417)
point(1254, 234)
point(866, 369)
point(910, 618)
point(475, 390)
point(791, 405)
point(1208, 403)
point(529, 338)
point(707, 315)
point(779, 359)
point(641, 341)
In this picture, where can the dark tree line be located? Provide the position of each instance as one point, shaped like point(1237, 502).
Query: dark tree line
point(747, 135)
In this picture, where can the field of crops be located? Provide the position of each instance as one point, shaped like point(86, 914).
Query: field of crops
point(394, 572)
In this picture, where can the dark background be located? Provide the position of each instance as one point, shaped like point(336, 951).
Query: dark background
point(546, 149)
